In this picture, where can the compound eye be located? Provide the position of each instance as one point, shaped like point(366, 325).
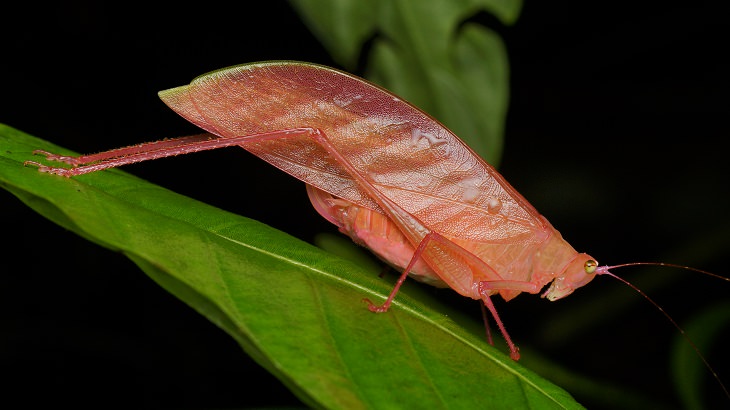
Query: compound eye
point(590, 266)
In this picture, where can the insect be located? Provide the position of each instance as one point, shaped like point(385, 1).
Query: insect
point(388, 175)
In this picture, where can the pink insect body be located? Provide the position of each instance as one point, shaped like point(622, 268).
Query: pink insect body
point(388, 175)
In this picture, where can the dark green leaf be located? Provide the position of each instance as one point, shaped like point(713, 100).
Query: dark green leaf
point(426, 53)
point(294, 308)
point(688, 371)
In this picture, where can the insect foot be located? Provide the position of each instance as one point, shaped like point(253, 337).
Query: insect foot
point(50, 170)
point(375, 308)
point(55, 157)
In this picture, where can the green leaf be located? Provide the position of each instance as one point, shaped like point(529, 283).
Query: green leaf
point(342, 26)
point(425, 52)
point(294, 308)
point(687, 370)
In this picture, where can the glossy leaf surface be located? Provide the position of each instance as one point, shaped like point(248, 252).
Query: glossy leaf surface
point(294, 308)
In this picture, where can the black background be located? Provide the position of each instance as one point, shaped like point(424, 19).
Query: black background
point(616, 133)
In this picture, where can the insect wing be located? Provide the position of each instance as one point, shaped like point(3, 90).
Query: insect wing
point(411, 158)
point(260, 98)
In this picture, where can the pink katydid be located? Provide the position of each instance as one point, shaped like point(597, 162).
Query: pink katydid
point(388, 175)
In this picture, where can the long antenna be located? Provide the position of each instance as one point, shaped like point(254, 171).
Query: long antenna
point(603, 270)
point(670, 265)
